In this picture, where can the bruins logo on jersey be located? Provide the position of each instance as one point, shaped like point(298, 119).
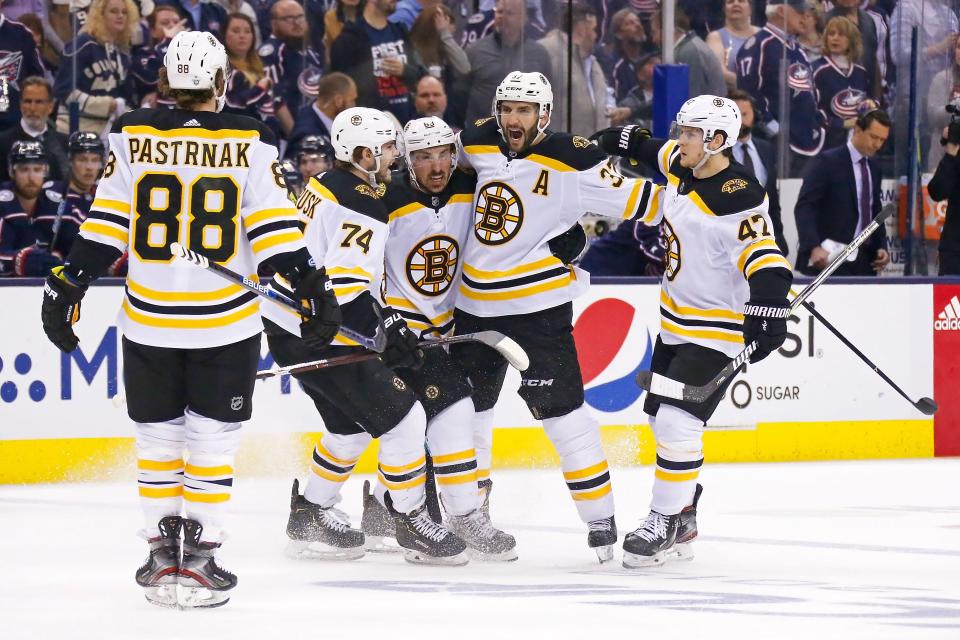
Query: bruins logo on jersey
point(580, 142)
point(499, 213)
point(671, 262)
point(432, 264)
point(366, 190)
point(735, 184)
point(482, 121)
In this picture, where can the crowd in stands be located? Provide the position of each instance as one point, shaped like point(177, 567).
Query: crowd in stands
point(805, 73)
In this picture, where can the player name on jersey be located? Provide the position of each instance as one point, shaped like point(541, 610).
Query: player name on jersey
point(189, 153)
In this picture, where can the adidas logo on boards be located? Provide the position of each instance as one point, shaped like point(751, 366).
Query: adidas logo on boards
point(949, 318)
point(192, 122)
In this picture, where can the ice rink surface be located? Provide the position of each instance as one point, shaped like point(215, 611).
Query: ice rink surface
point(803, 550)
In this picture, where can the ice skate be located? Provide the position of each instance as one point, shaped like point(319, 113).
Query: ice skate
point(602, 537)
point(426, 542)
point(687, 529)
point(652, 544)
point(158, 575)
point(320, 534)
point(203, 583)
point(484, 541)
point(378, 526)
point(485, 487)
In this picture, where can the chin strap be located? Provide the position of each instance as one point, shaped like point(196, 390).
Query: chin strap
point(371, 175)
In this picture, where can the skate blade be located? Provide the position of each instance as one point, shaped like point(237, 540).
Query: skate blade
point(416, 557)
point(683, 552)
point(196, 597)
point(504, 556)
point(164, 595)
point(636, 561)
point(303, 550)
point(604, 553)
point(381, 544)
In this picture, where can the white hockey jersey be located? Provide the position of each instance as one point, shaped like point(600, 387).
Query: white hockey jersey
point(719, 235)
point(346, 232)
point(524, 200)
point(210, 182)
point(423, 258)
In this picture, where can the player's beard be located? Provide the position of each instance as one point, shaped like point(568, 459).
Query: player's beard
point(528, 137)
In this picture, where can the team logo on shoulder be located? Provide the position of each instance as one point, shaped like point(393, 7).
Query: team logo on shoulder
point(482, 121)
point(730, 186)
point(381, 190)
point(54, 196)
point(6, 195)
point(265, 50)
point(581, 143)
point(499, 214)
point(366, 190)
point(671, 261)
point(799, 77)
point(432, 264)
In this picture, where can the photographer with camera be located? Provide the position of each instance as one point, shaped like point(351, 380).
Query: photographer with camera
point(945, 185)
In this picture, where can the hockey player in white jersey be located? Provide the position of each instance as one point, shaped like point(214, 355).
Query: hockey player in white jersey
point(726, 284)
point(191, 345)
point(346, 229)
point(532, 185)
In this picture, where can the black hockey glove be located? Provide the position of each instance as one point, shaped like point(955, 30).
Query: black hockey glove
point(765, 320)
point(315, 292)
point(61, 309)
point(569, 245)
point(622, 141)
point(401, 351)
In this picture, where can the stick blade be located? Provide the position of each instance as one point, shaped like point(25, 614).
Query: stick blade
point(512, 352)
point(926, 406)
point(178, 250)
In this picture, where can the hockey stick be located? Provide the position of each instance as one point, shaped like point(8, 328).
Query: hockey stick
point(924, 405)
point(377, 343)
point(510, 350)
point(663, 386)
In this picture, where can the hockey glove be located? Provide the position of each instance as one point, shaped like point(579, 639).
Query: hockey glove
point(401, 351)
point(622, 141)
point(61, 309)
point(765, 320)
point(35, 261)
point(315, 292)
point(569, 245)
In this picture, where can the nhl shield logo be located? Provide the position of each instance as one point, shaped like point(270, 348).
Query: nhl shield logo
point(236, 403)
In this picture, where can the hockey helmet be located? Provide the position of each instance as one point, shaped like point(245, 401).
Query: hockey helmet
point(315, 145)
point(85, 142)
point(426, 133)
point(711, 114)
point(292, 177)
point(525, 87)
point(25, 152)
point(192, 61)
point(362, 127)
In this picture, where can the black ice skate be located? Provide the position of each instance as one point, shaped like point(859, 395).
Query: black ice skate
point(426, 542)
point(485, 487)
point(158, 575)
point(203, 583)
point(320, 534)
point(687, 529)
point(378, 526)
point(602, 537)
point(484, 541)
point(651, 544)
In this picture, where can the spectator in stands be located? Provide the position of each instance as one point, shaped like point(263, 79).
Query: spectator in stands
point(341, 12)
point(49, 57)
point(706, 72)
point(726, 41)
point(841, 84)
point(430, 99)
point(163, 23)
point(945, 185)
point(245, 8)
point(377, 54)
point(286, 56)
point(262, 9)
point(335, 93)
point(18, 44)
point(839, 196)
point(434, 48)
point(628, 39)
point(494, 56)
point(760, 158)
point(104, 87)
point(248, 87)
point(871, 44)
point(811, 37)
point(944, 90)
point(408, 11)
point(37, 105)
point(637, 107)
point(201, 15)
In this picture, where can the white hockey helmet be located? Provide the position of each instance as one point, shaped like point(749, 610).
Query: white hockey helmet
point(358, 127)
point(193, 59)
point(712, 114)
point(525, 87)
point(426, 133)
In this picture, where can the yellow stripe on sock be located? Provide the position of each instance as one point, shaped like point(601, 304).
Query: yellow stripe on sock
point(469, 454)
point(167, 492)
point(461, 479)
point(404, 467)
point(222, 470)
point(586, 473)
point(192, 496)
point(326, 475)
point(593, 495)
point(337, 461)
point(483, 474)
point(676, 477)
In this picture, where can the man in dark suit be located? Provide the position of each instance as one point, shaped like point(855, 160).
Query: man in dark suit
point(336, 92)
point(760, 158)
point(36, 105)
point(839, 196)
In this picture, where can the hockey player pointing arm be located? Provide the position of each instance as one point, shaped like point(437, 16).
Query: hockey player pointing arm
point(726, 283)
point(191, 346)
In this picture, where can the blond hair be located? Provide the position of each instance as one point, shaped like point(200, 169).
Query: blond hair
point(96, 23)
point(844, 26)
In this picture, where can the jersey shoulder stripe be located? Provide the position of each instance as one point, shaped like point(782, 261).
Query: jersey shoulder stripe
point(566, 152)
point(734, 190)
point(197, 124)
point(352, 193)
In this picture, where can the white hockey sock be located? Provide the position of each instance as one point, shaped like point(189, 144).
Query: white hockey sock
point(576, 437)
point(208, 480)
point(160, 470)
point(679, 458)
point(403, 461)
point(334, 458)
point(450, 439)
point(483, 442)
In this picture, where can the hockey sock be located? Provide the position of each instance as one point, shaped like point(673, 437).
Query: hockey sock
point(679, 458)
point(483, 442)
point(403, 461)
point(160, 470)
point(334, 458)
point(576, 437)
point(208, 481)
point(450, 438)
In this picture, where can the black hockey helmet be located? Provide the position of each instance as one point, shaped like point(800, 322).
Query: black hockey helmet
point(85, 142)
point(315, 144)
point(291, 175)
point(24, 152)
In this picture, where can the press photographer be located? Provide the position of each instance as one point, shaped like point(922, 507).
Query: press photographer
point(945, 185)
